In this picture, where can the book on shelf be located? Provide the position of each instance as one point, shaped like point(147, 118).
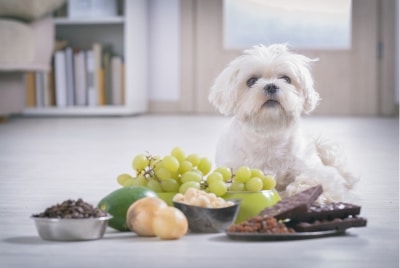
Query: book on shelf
point(123, 83)
point(117, 81)
point(70, 77)
point(106, 62)
point(91, 90)
point(60, 78)
point(52, 88)
point(97, 66)
point(102, 72)
point(80, 78)
point(93, 77)
point(39, 89)
point(30, 89)
point(101, 90)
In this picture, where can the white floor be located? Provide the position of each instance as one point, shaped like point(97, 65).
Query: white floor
point(47, 160)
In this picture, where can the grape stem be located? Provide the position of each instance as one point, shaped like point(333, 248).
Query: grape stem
point(148, 172)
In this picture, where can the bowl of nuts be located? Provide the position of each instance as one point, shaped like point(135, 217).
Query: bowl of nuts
point(71, 221)
point(205, 212)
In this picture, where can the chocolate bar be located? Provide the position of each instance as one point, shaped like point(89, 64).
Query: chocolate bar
point(294, 205)
point(308, 217)
point(326, 225)
point(328, 212)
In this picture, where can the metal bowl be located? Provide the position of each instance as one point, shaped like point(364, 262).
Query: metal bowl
point(209, 220)
point(71, 229)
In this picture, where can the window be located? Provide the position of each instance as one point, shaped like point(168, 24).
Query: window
point(309, 24)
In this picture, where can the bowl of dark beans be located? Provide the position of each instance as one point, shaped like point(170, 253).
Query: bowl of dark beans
point(71, 220)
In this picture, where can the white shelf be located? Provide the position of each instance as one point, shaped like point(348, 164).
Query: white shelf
point(128, 33)
point(81, 21)
point(81, 111)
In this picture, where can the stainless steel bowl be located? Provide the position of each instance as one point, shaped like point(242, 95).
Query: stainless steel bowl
point(71, 229)
point(209, 220)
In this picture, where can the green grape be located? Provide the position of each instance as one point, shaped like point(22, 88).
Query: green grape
point(214, 176)
point(269, 182)
point(154, 185)
point(197, 171)
point(178, 153)
point(140, 162)
point(237, 186)
point(189, 184)
point(175, 175)
point(191, 176)
point(243, 174)
point(217, 187)
point(170, 185)
point(140, 181)
point(194, 159)
point(129, 183)
point(154, 160)
point(162, 173)
point(204, 165)
point(124, 179)
point(170, 163)
point(226, 172)
point(185, 166)
point(254, 184)
point(255, 172)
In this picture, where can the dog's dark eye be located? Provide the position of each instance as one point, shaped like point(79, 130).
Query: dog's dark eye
point(251, 81)
point(286, 78)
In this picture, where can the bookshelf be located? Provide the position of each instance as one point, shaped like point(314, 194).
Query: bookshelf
point(80, 21)
point(127, 34)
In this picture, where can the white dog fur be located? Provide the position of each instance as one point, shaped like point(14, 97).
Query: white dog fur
point(266, 91)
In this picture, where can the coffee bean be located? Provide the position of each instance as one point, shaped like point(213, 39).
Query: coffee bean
point(71, 209)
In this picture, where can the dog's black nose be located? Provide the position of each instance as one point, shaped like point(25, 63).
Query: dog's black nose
point(271, 88)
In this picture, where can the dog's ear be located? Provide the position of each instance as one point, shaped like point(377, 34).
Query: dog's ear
point(222, 94)
point(311, 96)
point(311, 100)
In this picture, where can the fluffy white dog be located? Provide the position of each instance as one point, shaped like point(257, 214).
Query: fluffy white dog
point(267, 90)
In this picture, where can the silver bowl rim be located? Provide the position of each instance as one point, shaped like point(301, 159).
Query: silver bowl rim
point(236, 202)
point(47, 219)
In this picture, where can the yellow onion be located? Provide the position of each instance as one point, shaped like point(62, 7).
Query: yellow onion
point(140, 215)
point(169, 223)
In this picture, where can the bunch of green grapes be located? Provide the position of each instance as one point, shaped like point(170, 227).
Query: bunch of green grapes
point(177, 172)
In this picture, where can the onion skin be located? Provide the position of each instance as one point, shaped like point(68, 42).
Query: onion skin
point(169, 223)
point(140, 215)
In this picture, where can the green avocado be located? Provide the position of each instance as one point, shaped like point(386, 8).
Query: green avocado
point(117, 203)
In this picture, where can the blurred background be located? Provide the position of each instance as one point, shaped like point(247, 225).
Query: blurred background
point(115, 57)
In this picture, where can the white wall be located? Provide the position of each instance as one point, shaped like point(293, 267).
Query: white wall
point(164, 47)
point(164, 42)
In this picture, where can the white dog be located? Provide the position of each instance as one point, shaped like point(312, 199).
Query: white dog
point(267, 89)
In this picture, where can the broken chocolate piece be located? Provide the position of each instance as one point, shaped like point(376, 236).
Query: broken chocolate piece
point(326, 225)
point(328, 212)
point(294, 205)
